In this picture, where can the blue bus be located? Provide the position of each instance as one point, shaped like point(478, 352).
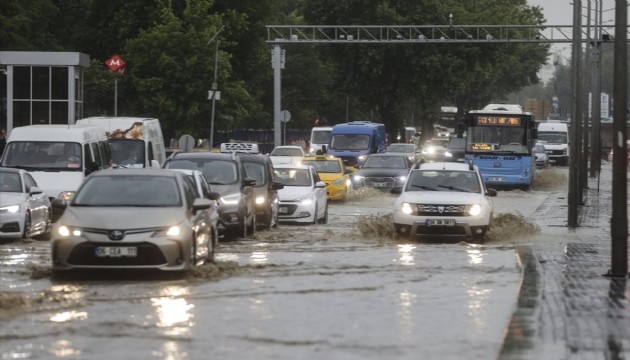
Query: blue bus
point(499, 140)
point(354, 141)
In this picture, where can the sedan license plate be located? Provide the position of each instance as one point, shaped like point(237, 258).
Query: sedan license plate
point(440, 222)
point(495, 178)
point(380, 184)
point(283, 210)
point(116, 251)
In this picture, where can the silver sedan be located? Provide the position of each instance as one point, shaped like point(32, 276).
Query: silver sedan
point(24, 209)
point(133, 219)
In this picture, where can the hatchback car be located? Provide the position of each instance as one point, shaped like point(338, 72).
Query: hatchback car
point(540, 155)
point(444, 200)
point(25, 210)
point(287, 154)
point(226, 175)
point(303, 198)
point(434, 150)
point(133, 219)
point(456, 150)
point(382, 171)
point(260, 168)
point(332, 172)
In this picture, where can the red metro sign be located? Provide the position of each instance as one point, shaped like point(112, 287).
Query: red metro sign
point(116, 64)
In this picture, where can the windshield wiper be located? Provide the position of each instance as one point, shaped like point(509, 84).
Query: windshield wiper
point(424, 187)
point(453, 188)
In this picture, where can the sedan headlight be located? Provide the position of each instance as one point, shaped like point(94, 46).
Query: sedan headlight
point(475, 210)
point(358, 178)
point(170, 231)
point(65, 231)
point(448, 154)
point(231, 199)
point(66, 195)
point(306, 199)
point(338, 182)
point(260, 200)
point(11, 209)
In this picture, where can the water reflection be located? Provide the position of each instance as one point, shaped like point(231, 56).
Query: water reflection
point(406, 300)
point(406, 253)
point(68, 316)
point(475, 256)
point(259, 257)
point(170, 351)
point(17, 259)
point(477, 312)
point(174, 311)
point(64, 349)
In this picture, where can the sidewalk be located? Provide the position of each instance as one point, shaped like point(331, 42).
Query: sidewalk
point(566, 308)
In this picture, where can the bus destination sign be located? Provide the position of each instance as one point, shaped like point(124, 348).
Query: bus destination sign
point(499, 120)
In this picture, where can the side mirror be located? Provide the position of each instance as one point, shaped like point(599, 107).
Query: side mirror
point(491, 192)
point(214, 196)
point(58, 207)
point(320, 184)
point(277, 186)
point(249, 182)
point(201, 203)
point(34, 190)
point(348, 171)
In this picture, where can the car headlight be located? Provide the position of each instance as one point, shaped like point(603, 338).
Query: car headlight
point(260, 200)
point(11, 209)
point(448, 154)
point(362, 157)
point(475, 210)
point(348, 182)
point(65, 231)
point(402, 178)
point(338, 182)
point(358, 178)
point(170, 231)
point(231, 199)
point(66, 195)
point(406, 208)
point(306, 199)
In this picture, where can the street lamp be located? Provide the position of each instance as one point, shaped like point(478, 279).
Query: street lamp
point(214, 94)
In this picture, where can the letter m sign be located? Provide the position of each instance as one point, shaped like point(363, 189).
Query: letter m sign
point(115, 63)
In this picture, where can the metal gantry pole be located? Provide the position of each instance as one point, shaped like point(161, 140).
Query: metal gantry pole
point(277, 64)
point(586, 119)
point(214, 93)
point(619, 219)
point(576, 110)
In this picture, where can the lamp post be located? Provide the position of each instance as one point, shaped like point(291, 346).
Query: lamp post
point(214, 94)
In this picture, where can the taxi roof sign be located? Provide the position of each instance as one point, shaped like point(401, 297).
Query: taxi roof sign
point(249, 148)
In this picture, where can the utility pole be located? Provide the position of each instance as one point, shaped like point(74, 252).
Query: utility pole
point(619, 219)
point(596, 151)
point(576, 115)
point(586, 119)
point(214, 94)
point(277, 62)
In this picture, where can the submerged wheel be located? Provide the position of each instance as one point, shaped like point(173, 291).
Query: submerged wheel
point(324, 220)
point(27, 225)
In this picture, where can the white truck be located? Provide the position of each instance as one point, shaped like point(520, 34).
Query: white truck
point(136, 142)
point(554, 135)
point(320, 135)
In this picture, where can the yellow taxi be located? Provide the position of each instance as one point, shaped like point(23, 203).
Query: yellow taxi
point(331, 171)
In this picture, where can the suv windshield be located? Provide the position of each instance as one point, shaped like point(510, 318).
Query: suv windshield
point(443, 180)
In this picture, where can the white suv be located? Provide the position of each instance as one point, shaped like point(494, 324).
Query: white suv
point(444, 199)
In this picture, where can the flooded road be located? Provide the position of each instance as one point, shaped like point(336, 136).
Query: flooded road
point(326, 291)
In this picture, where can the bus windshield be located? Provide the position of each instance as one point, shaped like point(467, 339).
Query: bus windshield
point(350, 142)
point(490, 139)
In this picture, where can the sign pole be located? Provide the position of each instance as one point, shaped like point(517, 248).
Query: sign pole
point(115, 96)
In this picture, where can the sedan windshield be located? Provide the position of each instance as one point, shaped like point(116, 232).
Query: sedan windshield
point(218, 172)
point(293, 177)
point(385, 162)
point(324, 166)
point(129, 190)
point(445, 180)
point(401, 148)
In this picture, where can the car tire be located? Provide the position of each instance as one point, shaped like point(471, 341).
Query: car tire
point(399, 231)
point(46, 235)
point(211, 245)
point(315, 215)
point(251, 228)
point(27, 225)
point(324, 220)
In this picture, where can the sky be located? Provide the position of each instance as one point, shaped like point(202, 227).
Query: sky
point(560, 12)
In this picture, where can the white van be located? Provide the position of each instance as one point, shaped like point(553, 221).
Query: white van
point(320, 135)
point(554, 135)
point(58, 157)
point(136, 142)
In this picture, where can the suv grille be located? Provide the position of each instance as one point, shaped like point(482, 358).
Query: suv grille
point(441, 210)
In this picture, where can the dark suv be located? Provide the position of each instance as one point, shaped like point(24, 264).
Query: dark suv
point(259, 167)
point(226, 175)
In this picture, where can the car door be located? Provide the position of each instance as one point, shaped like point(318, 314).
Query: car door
point(37, 203)
point(320, 194)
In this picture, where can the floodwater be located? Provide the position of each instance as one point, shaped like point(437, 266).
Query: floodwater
point(348, 289)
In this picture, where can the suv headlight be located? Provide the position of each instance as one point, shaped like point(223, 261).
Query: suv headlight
point(406, 208)
point(402, 179)
point(358, 178)
point(65, 231)
point(474, 210)
point(260, 200)
point(362, 157)
point(11, 209)
point(66, 195)
point(231, 199)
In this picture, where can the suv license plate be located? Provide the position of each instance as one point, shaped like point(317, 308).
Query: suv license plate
point(495, 178)
point(440, 222)
point(116, 251)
